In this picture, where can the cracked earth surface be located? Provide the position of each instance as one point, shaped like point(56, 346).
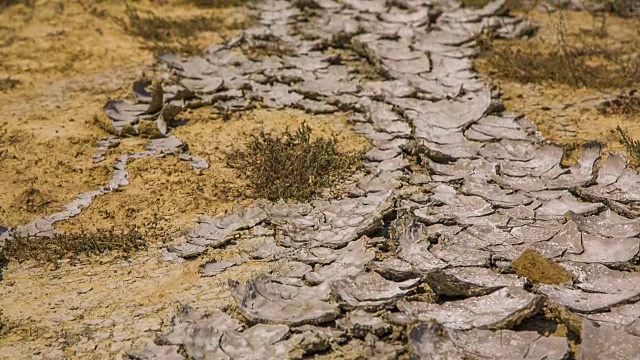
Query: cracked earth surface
point(423, 264)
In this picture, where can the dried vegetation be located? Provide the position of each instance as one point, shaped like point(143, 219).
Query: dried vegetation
point(162, 34)
point(576, 60)
point(79, 245)
point(293, 166)
point(573, 60)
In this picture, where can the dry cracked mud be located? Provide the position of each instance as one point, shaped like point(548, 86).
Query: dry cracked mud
point(428, 254)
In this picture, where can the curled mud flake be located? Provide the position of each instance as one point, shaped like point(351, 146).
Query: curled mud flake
point(218, 336)
point(586, 302)
point(497, 310)
point(431, 341)
point(139, 89)
point(546, 157)
point(532, 265)
point(351, 260)
point(536, 232)
point(390, 88)
point(325, 87)
point(419, 17)
point(604, 341)
point(445, 285)
point(411, 235)
point(420, 64)
point(217, 232)
point(509, 150)
point(359, 323)
point(580, 173)
point(316, 107)
point(187, 250)
point(613, 167)
point(206, 85)
point(567, 241)
point(494, 194)
point(123, 113)
point(608, 224)
point(394, 269)
point(279, 96)
point(599, 249)
point(293, 269)
point(484, 277)
point(459, 207)
point(370, 290)
point(284, 300)
point(456, 255)
point(152, 351)
point(622, 316)
point(309, 339)
point(567, 203)
point(525, 183)
point(598, 278)
point(213, 267)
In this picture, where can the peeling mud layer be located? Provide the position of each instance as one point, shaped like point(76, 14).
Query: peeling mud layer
point(420, 257)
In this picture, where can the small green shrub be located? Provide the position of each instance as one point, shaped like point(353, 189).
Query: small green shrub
point(292, 166)
point(632, 146)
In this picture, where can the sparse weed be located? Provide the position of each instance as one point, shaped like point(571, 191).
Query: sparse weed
point(3, 140)
point(81, 244)
point(7, 3)
point(4, 326)
point(174, 35)
point(511, 4)
point(218, 3)
point(577, 64)
point(627, 104)
point(292, 166)
point(621, 8)
point(8, 83)
point(631, 145)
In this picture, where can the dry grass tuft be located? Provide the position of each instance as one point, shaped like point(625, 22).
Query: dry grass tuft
point(627, 104)
point(175, 35)
point(577, 63)
point(219, 4)
point(82, 244)
point(292, 166)
point(8, 83)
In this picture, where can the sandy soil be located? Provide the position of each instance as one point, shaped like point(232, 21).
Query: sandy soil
point(69, 58)
point(565, 114)
point(171, 192)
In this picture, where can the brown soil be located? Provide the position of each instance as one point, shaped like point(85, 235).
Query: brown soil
point(563, 113)
point(531, 264)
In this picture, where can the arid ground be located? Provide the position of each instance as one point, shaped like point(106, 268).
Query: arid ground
point(61, 61)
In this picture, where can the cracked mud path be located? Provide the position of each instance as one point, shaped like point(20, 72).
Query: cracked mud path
point(406, 264)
